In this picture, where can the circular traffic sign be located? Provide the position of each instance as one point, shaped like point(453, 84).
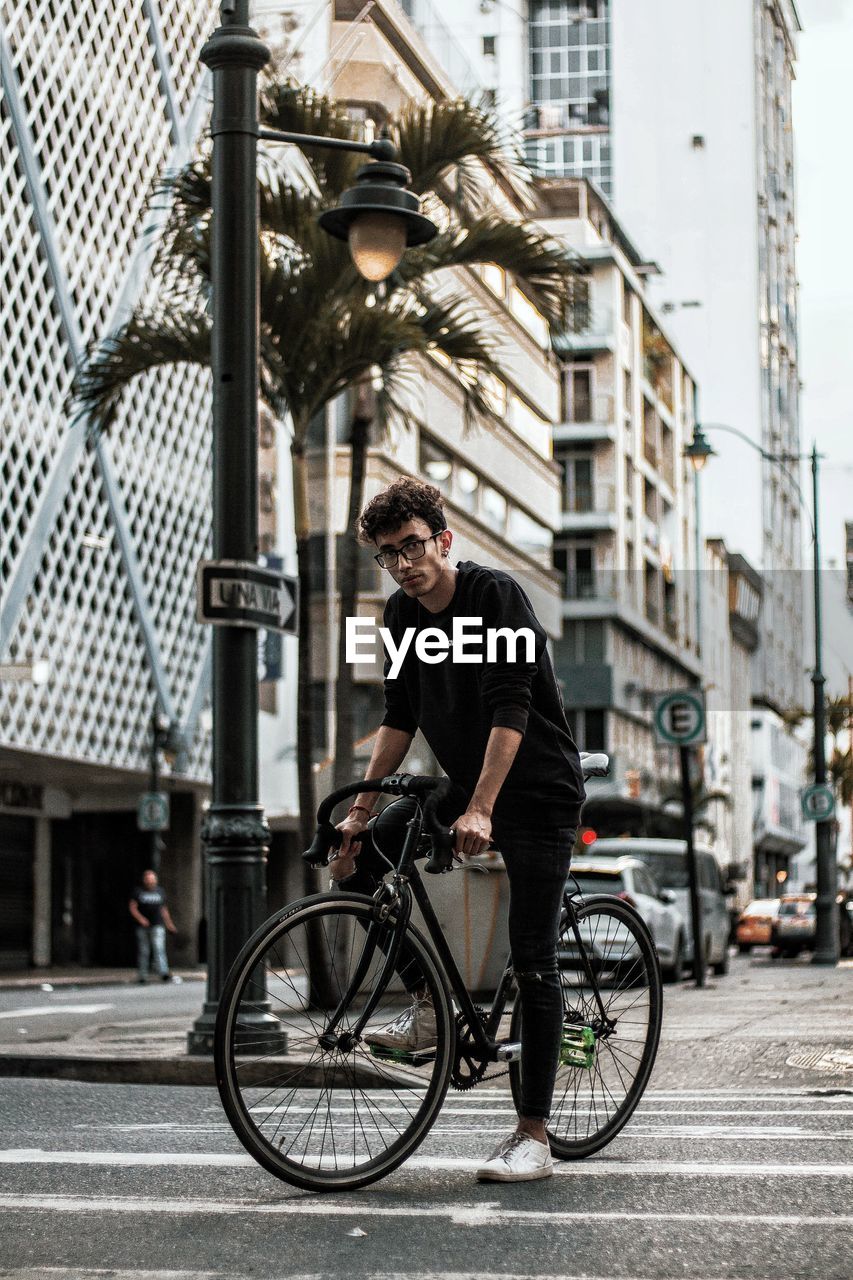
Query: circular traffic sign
point(679, 717)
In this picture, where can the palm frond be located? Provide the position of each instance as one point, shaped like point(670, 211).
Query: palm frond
point(460, 333)
point(147, 341)
point(296, 108)
point(452, 141)
point(345, 342)
point(550, 270)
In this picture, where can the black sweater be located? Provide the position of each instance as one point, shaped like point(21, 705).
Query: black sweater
point(456, 705)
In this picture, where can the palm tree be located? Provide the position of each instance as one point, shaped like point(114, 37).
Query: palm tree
point(324, 330)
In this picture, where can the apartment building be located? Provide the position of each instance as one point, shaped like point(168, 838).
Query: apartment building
point(500, 482)
point(627, 539)
point(726, 812)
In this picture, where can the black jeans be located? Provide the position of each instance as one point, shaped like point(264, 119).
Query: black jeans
point(537, 863)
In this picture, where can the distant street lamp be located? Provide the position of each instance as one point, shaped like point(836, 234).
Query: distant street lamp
point(378, 217)
point(826, 922)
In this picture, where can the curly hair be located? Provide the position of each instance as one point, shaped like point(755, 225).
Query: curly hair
point(405, 499)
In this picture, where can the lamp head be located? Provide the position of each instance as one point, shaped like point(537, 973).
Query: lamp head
point(699, 450)
point(379, 218)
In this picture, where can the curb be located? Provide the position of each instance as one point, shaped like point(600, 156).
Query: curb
point(188, 1069)
point(194, 1071)
point(38, 981)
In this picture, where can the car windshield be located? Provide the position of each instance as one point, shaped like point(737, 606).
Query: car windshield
point(599, 881)
point(669, 869)
point(796, 908)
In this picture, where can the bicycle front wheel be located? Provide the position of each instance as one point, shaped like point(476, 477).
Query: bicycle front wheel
point(326, 1118)
point(611, 1026)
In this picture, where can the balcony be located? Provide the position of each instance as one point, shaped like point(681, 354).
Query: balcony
point(589, 508)
point(591, 584)
point(593, 331)
point(589, 418)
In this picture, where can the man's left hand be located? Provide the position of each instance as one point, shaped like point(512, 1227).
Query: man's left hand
point(473, 832)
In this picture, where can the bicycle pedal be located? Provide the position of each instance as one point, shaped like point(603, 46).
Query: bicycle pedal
point(577, 1047)
point(404, 1057)
point(508, 1052)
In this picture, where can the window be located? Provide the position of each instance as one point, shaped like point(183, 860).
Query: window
point(594, 737)
point(577, 481)
point(467, 484)
point(528, 534)
point(436, 464)
point(627, 300)
point(494, 278)
point(527, 423)
point(577, 388)
point(525, 312)
point(628, 395)
point(489, 46)
point(493, 508)
point(576, 562)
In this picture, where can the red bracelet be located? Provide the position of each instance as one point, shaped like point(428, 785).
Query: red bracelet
point(354, 808)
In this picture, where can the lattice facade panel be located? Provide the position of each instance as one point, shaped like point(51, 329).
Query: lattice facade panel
point(97, 700)
point(89, 84)
point(161, 450)
point(185, 29)
point(34, 375)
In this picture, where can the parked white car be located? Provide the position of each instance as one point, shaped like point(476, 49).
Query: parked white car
point(667, 862)
point(630, 879)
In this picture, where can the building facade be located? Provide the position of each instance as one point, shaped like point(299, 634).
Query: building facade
point(99, 537)
point(499, 480)
point(626, 545)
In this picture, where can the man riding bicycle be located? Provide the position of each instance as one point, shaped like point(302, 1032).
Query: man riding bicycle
point(498, 730)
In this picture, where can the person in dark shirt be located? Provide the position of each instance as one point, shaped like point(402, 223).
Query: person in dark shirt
point(496, 724)
point(149, 910)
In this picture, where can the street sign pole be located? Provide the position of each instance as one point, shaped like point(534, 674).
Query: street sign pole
point(679, 720)
point(693, 881)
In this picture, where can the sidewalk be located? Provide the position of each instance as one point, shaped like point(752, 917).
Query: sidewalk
point(777, 1023)
point(41, 979)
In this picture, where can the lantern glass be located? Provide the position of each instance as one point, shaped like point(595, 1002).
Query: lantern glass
point(377, 242)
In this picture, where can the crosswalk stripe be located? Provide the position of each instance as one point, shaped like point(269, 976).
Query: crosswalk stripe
point(483, 1214)
point(606, 1167)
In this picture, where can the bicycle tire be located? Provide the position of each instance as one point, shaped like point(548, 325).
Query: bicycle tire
point(269, 1096)
point(588, 1111)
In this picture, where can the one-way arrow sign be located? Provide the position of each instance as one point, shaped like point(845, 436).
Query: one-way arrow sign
point(237, 593)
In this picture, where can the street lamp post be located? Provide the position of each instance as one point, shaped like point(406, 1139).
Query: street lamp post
point(378, 217)
point(826, 923)
point(160, 726)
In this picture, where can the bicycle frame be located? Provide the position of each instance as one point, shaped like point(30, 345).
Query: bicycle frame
point(406, 884)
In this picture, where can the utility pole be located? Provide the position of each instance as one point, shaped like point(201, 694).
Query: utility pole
point(692, 878)
point(826, 923)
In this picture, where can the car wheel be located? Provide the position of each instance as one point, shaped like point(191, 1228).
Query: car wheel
point(744, 948)
point(672, 972)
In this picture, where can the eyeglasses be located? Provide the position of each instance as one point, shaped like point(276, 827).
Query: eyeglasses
point(414, 549)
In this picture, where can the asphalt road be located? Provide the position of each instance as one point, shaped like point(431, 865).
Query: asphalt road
point(145, 1181)
point(33, 1015)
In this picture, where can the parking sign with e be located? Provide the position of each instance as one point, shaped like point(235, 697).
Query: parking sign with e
point(679, 718)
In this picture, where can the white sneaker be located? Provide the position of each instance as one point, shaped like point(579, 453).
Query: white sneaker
point(519, 1158)
point(412, 1031)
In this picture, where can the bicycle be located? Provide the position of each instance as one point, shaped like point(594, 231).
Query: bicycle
point(322, 1110)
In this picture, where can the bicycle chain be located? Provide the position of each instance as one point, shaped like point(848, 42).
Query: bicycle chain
point(467, 1070)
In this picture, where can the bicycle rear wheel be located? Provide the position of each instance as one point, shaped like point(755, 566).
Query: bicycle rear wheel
point(605, 1063)
point(325, 1119)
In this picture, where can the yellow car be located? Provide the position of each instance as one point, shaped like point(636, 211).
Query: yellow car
point(755, 924)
